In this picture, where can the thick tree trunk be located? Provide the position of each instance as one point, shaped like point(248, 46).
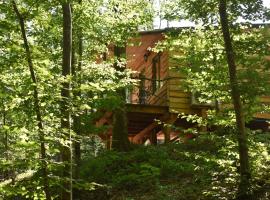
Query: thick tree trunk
point(120, 140)
point(65, 94)
point(36, 103)
point(242, 137)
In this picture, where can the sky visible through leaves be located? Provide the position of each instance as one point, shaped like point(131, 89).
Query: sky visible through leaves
point(160, 24)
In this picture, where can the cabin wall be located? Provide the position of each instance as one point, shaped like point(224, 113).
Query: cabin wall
point(172, 94)
point(160, 97)
point(266, 101)
point(140, 59)
point(179, 101)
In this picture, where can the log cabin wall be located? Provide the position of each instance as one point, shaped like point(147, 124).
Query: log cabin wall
point(179, 100)
point(266, 101)
point(171, 94)
point(142, 59)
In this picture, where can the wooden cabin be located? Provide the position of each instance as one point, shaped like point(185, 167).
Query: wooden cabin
point(159, 96)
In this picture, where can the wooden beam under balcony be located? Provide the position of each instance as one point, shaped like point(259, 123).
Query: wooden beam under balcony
point(148, 109)
point(262, 115)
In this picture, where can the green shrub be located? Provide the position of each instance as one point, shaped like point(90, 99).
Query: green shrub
point(203, 168)
point(121, 170)
point(140, 177)
point(174, 170)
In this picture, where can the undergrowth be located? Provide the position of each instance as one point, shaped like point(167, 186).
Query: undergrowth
point(203, 168)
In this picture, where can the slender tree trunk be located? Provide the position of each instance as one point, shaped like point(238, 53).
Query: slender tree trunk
point(77, 118)
point(120, 140)
point(6, 135)
point(6, 173)
point(76, 72)
point(242, 137)
point(65, 94)
point(36, 103)
point(77, 130)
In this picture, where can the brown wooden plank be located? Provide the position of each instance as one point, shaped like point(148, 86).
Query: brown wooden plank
point(262, 115)
point(174, 93)
point(183, 110)
point(145, 131)
point(173, 73)
point(176, 88)
point(138, 108)
point(182, 100)
point(175, 81)
point(180, 106)
point(265, 99)
point(162, 101)
point(160, 98)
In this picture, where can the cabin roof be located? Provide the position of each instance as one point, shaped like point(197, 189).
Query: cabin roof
point(170, 29)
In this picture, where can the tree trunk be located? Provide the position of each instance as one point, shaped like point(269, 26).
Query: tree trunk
point(120, 140)
point(36, 104)
point(6, 143)
point(77, 118)
point(65, 108)
point(244, 185)
point(6, 134)
point(76, 73)
point(154, 137)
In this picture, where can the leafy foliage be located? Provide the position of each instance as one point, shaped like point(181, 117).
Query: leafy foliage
point(198, 54)
point(99, 24)
point(205, 168)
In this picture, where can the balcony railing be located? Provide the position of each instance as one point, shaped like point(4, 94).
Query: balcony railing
point(144, 90)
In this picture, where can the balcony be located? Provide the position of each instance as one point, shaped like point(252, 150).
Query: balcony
point(148, 92)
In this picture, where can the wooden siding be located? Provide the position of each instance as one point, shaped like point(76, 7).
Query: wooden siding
point(160, 97)
point(179, 101)
point(136, 53)
point(171, 93)
point(264, 100)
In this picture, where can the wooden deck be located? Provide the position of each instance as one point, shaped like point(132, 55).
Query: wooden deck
point(146, 108)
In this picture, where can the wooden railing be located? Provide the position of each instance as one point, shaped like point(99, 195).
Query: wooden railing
point(146, 90)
